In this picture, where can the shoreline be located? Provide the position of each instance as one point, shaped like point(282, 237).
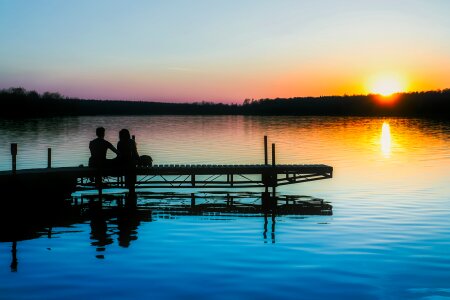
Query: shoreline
point(18, 103)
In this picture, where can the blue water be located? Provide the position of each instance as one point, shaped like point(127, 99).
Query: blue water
point(388, 236)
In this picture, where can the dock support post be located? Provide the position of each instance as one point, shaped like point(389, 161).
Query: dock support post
point(131, 201)
point(132, 188)
point(268, 202)
point(265, 197)
point(14, 157)
point(274, 199)
point(100, 187)
point(266, 161)
point(273, 155)
point(192, 200)
point(49, 158)
point(266, 158)
point(230, 200)
point(193, 179)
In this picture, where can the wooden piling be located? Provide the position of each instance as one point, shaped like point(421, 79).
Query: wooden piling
point(132, 186)
point(264, 197)
point(274, 197)
point(192, 200)
point(266, 158)
point(273, 164)
point(49, 158)
point(14, 157)
point(273, 154)
point(131, 201)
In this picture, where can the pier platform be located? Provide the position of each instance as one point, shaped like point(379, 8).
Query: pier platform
point(62, 182)
point(178, 176)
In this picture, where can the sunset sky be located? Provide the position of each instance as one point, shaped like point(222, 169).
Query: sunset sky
point(224, 50)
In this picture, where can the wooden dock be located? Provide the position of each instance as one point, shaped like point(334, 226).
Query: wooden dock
point(183, 176)
point(62, 182)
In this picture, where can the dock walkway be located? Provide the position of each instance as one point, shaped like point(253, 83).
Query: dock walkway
point(63, 181)
point(183, 176)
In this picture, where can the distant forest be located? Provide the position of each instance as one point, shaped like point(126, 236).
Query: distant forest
point(20, 103)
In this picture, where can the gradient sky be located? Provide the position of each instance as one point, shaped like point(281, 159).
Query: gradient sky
point(222, 50)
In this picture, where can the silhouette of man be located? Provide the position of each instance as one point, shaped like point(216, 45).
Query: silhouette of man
point(99, 147)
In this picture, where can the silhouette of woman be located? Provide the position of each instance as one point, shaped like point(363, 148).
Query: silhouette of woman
point(127, 155)
point(127, 158)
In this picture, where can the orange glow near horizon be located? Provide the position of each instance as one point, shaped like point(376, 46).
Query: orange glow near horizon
point(387, 85)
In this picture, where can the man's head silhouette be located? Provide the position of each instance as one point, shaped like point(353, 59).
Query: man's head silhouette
point(100, 131)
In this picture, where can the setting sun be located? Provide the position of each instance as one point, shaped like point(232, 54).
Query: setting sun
point(386, 85)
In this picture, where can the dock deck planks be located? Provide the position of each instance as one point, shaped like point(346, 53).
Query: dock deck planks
point(179, 170)
point(70, 179)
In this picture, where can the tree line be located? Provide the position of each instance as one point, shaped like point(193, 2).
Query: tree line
point(20, 103)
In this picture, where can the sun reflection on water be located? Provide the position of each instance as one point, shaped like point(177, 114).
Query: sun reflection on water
point(385, 140)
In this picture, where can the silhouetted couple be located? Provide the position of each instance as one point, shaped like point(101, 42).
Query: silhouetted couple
point(127, 155)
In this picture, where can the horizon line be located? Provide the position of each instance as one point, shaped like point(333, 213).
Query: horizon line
point(219, 101)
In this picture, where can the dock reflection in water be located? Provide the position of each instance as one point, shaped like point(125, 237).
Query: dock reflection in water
point(111, 219)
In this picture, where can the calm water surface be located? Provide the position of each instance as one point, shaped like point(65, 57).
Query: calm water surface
point(388, 237)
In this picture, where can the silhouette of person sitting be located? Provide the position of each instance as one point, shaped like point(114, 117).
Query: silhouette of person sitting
point(99, 147)
point(127, 158)
point(127, 154)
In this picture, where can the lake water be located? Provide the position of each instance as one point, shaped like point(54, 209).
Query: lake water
point(388, 236)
